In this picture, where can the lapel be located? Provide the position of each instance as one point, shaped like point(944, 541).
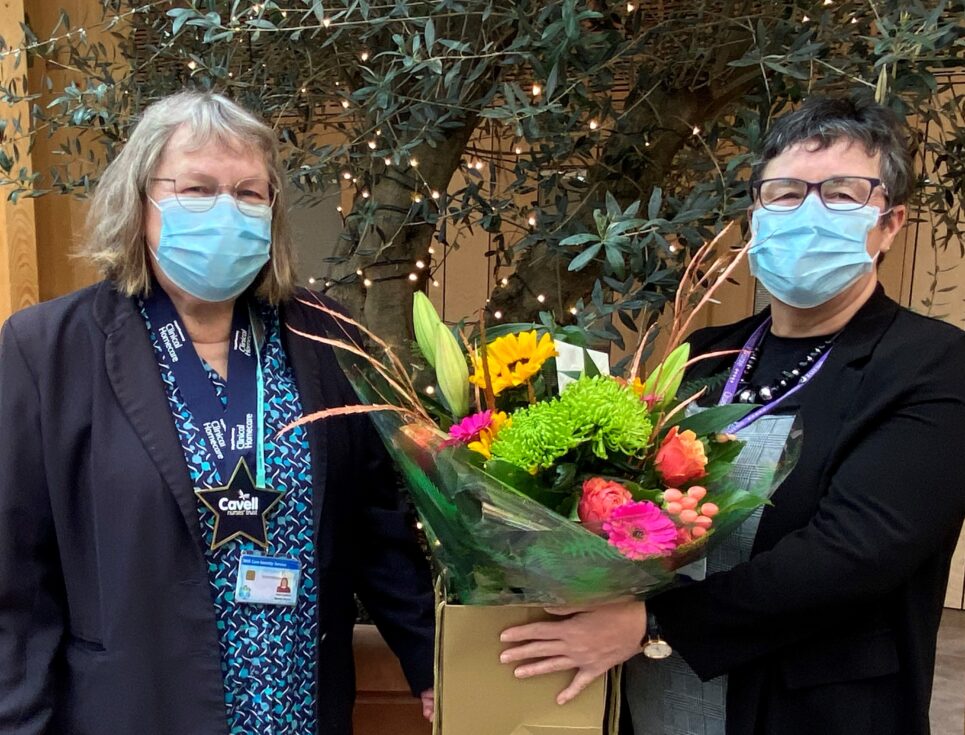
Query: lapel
point(136, 380)
point(310, 361)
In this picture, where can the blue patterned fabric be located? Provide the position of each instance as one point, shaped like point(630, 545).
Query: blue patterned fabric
point(267, 651)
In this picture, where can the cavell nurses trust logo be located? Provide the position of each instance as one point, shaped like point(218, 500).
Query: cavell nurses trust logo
point(240, 508)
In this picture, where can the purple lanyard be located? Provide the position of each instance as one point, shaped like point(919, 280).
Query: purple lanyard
point(737, 372)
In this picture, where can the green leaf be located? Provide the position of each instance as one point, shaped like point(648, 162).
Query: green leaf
point(590, 369)
point(430, 34)
point(583, 259)
point(713, 420)
point(653, 208)
point(580, 239)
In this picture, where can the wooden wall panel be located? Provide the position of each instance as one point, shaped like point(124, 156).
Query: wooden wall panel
point(18, 251)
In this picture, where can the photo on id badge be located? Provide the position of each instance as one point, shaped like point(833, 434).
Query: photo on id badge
point(267, 580)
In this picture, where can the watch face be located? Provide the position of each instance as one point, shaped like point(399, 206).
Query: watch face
point(657, 649)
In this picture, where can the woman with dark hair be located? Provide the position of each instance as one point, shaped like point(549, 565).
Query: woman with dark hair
point(821, 614)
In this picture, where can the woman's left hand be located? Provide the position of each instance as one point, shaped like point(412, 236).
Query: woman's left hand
point(591, 640)
point(428, 698)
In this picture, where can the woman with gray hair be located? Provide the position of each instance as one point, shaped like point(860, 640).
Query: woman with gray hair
point(170, 560)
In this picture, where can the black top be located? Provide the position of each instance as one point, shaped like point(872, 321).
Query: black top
point(778, 355)
point(831, 626)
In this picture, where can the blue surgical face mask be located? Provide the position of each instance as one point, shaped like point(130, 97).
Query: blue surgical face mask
point(213, 255)
point(807, 256)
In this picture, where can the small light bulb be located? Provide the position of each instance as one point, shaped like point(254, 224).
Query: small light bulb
point(338, 208)
point(417, 198)
point(346, 175)
point(365, 194)
point(498, 314)
point(367, 283)
point(541, 298)
point(805, 19)
point(413, 277)
point(432, 250)
point(420, 264)
point(373, 145)
point(414, 162)
point(387, 160)
point(594, 124)
point(364, 56)
point(345, 104)
point(358, 272)
point(631, 7)
point(192, 65)
point(696, 130)
point(537, 90)
point(435, 283)
point(854, 19)
point(355, 179)
point(328, 284)
point(504, 281)
point(435, 194)
point(478, 165)
point(311, 280)
point(519, 151)
point(304, 89)
point(532, 220)
point(573, 310)
point(326, 22)
point(378, 131)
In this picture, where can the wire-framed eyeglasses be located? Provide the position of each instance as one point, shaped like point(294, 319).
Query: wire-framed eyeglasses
point(197, 192)
point(839, 193)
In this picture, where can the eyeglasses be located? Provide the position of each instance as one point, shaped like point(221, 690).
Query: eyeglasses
point(198, 192)
point(841, 193)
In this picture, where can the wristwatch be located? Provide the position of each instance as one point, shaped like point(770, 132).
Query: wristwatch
point(654, 646)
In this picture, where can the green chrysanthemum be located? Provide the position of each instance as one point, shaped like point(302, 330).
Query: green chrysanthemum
point(608, 415)
point(537, 437)
point(597, 410)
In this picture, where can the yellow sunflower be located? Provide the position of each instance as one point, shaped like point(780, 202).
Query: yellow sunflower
point(482, 445)
point(513, 360)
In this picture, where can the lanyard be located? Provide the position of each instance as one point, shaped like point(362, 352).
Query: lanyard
point(235, 431)
point(737, 372)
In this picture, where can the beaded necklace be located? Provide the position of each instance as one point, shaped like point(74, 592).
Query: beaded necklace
point(746, 393)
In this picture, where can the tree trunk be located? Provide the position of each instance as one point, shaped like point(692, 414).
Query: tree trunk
point(386, 250)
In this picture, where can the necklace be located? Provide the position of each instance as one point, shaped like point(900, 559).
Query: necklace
point(746, 393)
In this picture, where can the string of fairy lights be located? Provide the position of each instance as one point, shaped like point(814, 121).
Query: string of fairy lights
point(425, 271)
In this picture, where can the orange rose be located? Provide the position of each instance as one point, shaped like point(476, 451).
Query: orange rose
point(599, 498)
point(681, 458)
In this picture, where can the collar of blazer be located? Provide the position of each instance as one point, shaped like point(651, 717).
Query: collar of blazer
point(133, 373)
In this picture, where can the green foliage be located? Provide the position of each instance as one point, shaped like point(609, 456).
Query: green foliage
point(430, 109)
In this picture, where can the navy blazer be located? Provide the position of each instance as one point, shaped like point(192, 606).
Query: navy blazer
point(107, 626)
point(831, 626)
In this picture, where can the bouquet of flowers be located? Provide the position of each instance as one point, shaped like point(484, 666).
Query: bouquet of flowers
point(540, 485)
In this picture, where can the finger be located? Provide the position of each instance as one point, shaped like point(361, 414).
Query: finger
point(580, 682)
point(528, 651)
point(546, 666)
point(531, 632)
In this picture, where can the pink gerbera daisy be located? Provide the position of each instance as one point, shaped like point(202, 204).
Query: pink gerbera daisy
point(469, 428)
point(640, 530)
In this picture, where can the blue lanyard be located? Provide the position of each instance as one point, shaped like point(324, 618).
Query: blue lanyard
point(236, 431)
point(737, 372)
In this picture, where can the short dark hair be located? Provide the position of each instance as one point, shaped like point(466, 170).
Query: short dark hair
point(826, 120)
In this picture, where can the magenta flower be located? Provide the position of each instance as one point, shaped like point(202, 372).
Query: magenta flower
point(469, 428)
point(640, 530)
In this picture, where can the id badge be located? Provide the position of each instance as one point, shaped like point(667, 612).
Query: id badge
point(267, 580)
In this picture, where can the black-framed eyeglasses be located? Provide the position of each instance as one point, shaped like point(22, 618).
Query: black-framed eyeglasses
point(198, 192)
point(839, 193)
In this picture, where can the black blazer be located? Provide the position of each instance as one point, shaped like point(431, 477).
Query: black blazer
point(831, 626)
point(106, 621)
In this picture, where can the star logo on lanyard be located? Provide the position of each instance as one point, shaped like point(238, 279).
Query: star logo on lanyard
point(240, 508)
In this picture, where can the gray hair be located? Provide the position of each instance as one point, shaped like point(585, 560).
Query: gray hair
point(114, 241)
point(826, 120)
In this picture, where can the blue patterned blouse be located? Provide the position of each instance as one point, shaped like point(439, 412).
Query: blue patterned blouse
point(267, 651)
